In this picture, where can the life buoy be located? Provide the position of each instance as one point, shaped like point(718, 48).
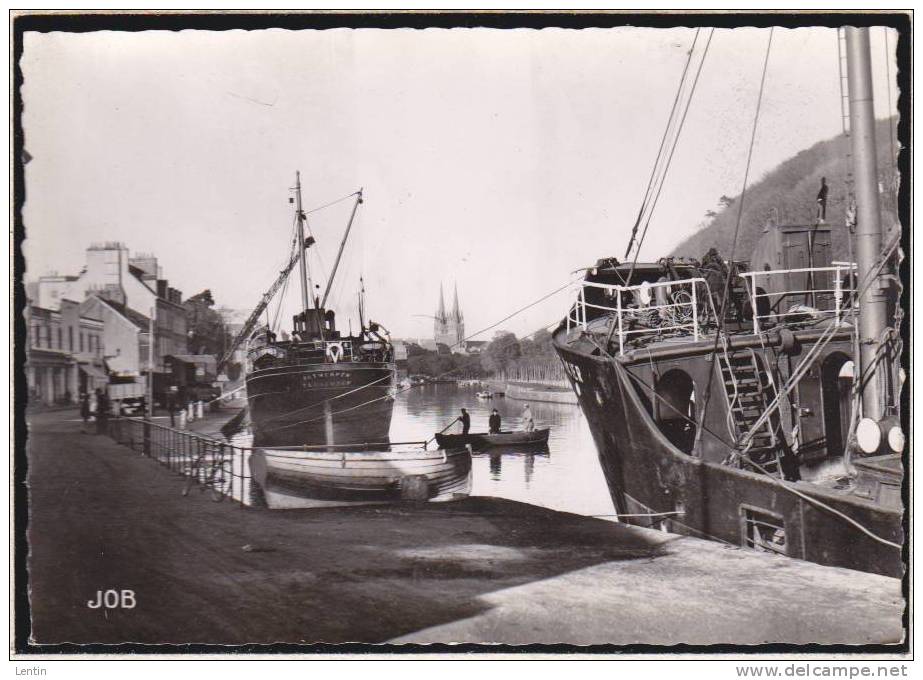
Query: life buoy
point(334, 351)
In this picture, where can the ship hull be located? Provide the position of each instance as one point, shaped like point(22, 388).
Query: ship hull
point(359, 477)
point(324, 403)
point(655, 484)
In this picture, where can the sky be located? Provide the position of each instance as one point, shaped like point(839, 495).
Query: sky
point(500, 161)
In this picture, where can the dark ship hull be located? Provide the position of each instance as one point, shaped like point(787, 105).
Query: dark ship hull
point(321, 403)
point(655, 483)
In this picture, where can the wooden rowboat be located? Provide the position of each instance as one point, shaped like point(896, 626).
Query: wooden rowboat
point(484, 439)
point(362, 476)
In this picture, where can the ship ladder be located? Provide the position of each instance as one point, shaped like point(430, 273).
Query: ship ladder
point(748, 389)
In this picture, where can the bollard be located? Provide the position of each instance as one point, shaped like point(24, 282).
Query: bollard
point(182, 420)
point(199, 410)
point(190, 412)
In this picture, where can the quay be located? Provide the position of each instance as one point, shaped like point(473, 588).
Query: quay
point(103, 517)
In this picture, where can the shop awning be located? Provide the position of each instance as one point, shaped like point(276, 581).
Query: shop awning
point(97, 374)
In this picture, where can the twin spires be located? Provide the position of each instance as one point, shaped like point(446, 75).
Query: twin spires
point(441, 316)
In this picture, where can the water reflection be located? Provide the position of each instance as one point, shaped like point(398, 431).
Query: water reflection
point(564, 474)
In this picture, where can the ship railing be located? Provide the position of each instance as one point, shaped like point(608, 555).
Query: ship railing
point(649, 308)
point(214, 465)
point(792, 296)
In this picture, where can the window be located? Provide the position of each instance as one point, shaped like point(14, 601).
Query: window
point(70, 338)
point(762, 530)
point(81, 342)
point(60, 341)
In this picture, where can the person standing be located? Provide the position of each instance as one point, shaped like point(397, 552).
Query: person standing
point(822, 200)
point(85, 409)
point(465, 421)
point(102, 412)
point(528, 423)
point(172, 394)
point(495, 422)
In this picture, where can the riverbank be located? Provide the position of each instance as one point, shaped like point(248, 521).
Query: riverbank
point(535, 392)
point(476, 570)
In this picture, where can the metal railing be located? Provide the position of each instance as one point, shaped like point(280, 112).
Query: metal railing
point(658, 308)
point(834, 302)
point(212, 464)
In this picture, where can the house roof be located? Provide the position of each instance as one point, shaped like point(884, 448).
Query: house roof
point(137, 318)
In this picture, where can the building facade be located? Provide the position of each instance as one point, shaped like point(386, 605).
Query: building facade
point(129, 283)
point(65, 356)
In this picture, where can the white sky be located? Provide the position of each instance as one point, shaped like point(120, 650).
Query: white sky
point(500, 159)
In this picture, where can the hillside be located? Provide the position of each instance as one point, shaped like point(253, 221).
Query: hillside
point(791, 188)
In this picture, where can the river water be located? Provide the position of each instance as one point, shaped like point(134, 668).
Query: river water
point(565, 475)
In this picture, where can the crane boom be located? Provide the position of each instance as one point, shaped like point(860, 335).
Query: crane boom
point(254, 317)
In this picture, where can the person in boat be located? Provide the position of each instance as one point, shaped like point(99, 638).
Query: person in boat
point(822, 200)
point(465, 421)
point(528, 423)
point(494, 422)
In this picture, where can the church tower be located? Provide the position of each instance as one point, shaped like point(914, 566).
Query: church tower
point(441, 322)
point(457, 322)
point(449, 329)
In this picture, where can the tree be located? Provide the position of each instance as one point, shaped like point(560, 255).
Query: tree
point(205, 326)
point(501, 352)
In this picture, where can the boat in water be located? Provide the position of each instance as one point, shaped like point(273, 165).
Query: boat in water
point(756, 404)
point(483, 440)
point(319, 385)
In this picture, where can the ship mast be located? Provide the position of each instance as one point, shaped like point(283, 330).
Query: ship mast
point(306, 299)
point(873, 300)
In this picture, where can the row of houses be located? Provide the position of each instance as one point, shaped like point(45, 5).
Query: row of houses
point(95, 328)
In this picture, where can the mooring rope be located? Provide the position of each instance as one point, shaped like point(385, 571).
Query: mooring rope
point(441, 375)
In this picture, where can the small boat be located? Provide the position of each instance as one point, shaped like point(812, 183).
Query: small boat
point(483, 395)
point(357, 476)
point(484, 439)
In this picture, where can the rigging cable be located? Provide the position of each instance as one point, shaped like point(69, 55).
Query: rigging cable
point(441, 375)
point(674, 144)
point(659, 157)
point(327, 205)
point(743, 192)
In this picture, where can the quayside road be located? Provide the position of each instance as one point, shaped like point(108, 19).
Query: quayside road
point(477, 570)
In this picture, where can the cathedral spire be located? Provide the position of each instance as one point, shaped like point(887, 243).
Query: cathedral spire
point(440, 313)
point(456, 312)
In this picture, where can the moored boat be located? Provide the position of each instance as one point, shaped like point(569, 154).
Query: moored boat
point(320, 385)
point(721, 395)
point(537, 437)
point(361, 476)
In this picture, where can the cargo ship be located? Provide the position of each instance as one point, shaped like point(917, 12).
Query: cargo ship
point(756, 403)
point(318, 385)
